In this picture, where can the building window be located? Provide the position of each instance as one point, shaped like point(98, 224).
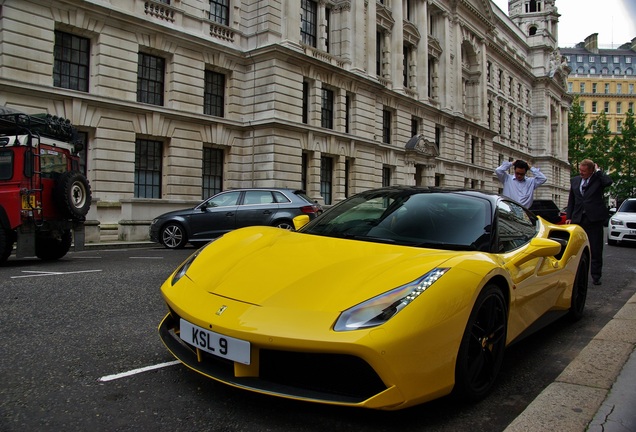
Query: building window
point(579, 59)
point(347, 113)
point(71, 61)
point(82, 137)
point(305, 102)
point(379, 48)
point(326, 175)
point(150, 79)
point(326, 109)
point(308, 22)
point(619, 108)
point(347, 177)
point(212, 172)
point(594, 107)
point(607, 88)
point(628, 60)
point(630, 89)
point(570, 87)
point(619, 126)
point(510, 85)
point(214, 94)
point(438, 137)
point(415, 126)
point(220, 11)
point(488, 70)
point(147, 168)
point(591, 59)
point(582, 105)
point(617, 71)
point(500, 76)
point(630, 107)
point(501, 120)
point(386, 176)
point(606, 107)
point(304, 167)
point(327, 27)
point(489, 114)
point(592, 70)
point(405, 65)
point(603, 59)
point(619, 88)
point(617, 59)
point(386, 126)
point(594, 85)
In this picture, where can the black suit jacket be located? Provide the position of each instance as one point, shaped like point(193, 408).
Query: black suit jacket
point(591, 203)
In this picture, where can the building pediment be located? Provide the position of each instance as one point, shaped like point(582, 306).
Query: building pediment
point(422, 146)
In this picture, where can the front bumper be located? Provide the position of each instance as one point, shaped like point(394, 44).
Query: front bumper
point(331, 378)
point(620, 233)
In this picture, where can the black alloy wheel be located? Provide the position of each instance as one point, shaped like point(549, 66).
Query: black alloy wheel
point(579, 289)
point(284, 224)
point(173, 236)
point(482, 348)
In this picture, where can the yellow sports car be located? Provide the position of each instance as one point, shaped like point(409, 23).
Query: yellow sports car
point(391, 298)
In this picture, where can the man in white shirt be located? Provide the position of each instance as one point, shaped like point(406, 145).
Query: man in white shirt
point(519, 187)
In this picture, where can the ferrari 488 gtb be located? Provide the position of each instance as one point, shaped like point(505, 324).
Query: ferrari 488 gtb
point(393, 297)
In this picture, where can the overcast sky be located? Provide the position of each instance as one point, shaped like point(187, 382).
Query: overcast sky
point(613, 20)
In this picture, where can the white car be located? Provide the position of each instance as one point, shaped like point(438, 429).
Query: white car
point(622, 224)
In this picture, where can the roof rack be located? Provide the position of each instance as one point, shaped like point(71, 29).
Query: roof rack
point(13, 122)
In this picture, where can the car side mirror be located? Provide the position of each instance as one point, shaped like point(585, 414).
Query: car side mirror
point(300, 221)
point(539, 247)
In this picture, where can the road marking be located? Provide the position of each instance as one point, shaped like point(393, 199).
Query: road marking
point(135, 257)
point(50, 273)
point(137, 371)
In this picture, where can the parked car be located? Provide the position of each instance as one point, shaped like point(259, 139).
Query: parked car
point(548, 210)
point(229, 210)
point(622, 224)
point(393, 297)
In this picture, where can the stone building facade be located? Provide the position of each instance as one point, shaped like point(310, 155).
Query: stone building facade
point(179, 99)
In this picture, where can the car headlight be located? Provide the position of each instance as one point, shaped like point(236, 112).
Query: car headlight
point(183, 269)
point(615, 221)
point(380, 309)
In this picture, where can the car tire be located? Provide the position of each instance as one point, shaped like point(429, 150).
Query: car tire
point(72, 194)
point(284, 224)
point(6, 244)
point(611, 242)
point(53, 248)
point(579, 289)
point(173, 236)
point(482, 347)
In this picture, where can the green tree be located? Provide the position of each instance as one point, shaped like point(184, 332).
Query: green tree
point(600, 144)
point(577, 143)
point(622, 162)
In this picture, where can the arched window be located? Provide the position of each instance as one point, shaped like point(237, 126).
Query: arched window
point(532, 31)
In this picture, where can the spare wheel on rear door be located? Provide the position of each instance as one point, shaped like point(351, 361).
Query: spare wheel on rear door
point(72, 194)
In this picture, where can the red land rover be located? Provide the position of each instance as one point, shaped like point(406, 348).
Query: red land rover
point(44, 198)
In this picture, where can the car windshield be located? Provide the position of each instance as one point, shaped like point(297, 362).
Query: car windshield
point(423, 219)
point(628, 207)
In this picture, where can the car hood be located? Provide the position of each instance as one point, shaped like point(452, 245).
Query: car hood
point(625, 216)
point(276, 268)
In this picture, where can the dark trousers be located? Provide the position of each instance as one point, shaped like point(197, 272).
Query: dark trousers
point(595, 234)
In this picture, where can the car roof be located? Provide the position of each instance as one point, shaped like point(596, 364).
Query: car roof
point(493, 197)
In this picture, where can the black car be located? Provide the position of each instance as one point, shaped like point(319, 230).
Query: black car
point(229, 210)
point(548, 210)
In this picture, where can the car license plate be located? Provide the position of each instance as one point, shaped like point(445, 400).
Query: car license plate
point(220, 345)
point(28, 202)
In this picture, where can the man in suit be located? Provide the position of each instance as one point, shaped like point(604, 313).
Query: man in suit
point(586, 208)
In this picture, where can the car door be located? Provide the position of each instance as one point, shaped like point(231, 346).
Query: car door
point(215, 216)
point(257, 208)
point(535, 281)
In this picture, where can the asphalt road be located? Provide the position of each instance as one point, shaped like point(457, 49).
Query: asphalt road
point(78, 334)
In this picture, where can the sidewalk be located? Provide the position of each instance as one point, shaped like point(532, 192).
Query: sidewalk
point(597, 390)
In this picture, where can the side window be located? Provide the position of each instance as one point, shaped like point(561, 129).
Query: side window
point(224, 200)
point(258, 197)
point(515, 227)
point(280, 197)
point(6, 164)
